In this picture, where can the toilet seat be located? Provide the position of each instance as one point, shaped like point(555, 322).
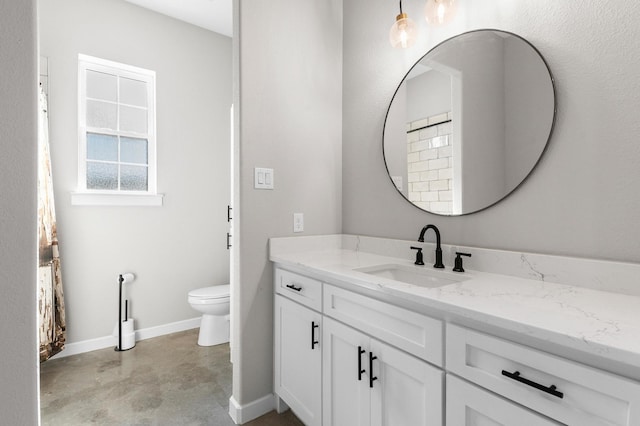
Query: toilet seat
point(210, 295)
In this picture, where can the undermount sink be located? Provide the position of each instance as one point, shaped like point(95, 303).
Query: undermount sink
point(422, 276)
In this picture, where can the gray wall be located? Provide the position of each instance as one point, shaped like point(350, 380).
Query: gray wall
point(483, 113)
point(289, 104)
point(526, 106)
point(582, 199)
point(395, 138)
point(428, 94)
point(174, 248)
point(18, 141)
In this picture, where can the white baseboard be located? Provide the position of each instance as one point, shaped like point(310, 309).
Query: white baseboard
point(161, 330)
point(142, 334)
point(241, 414)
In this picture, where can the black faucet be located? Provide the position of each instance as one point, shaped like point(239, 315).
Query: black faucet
point(438, 263)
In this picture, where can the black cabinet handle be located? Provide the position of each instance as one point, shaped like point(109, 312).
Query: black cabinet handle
point(371, 376)
point(229, 208)
point(360, 370)
point(314, 342)
point(293, 287)
point(228, 241)
point(550, 390)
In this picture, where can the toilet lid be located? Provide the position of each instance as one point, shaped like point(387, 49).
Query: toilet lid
point(214, 292)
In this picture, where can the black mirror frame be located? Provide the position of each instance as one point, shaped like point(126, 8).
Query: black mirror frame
point(551, 129)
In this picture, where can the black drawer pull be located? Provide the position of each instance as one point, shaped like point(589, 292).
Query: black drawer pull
point(360, 370)
point(371, 376)
point(314, 342)
point(293, 287)
point(228, 241)
point(550, 390)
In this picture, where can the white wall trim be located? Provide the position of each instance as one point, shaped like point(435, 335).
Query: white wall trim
point(142, 334)
point(101, 199)
point(161, 330)
point(241, 414)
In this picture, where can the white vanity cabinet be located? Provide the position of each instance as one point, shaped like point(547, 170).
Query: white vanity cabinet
point(331, 371)
point(298, 346)
point(384, 379)
point(343, 357)
point(367, 382)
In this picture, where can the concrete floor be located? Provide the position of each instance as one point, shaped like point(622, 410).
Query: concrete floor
point(168, 380)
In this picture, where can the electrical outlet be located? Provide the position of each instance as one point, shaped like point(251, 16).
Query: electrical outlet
point(298, 222)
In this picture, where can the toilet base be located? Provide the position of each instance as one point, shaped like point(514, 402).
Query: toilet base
point(214, 330)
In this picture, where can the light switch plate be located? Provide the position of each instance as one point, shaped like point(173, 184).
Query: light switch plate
point(298, 222)
point(263, 178)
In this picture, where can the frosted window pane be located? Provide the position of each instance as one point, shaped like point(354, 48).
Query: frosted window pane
point(133, 178)
point(102, 176)
point(101, 115)
point(133, 150)
point(102, 86)
point(102, 147)
point(133, 92)
point(133, 119)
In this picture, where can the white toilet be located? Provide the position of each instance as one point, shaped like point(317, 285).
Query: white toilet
point(214, 304)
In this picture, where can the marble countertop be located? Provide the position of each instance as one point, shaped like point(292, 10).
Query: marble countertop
point(598, 322)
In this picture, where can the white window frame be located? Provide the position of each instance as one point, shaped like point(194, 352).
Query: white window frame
point(85, 196)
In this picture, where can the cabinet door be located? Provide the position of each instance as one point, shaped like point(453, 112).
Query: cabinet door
point(345, 390)
point(298, 359)
point(469, 405)
point(406, 391)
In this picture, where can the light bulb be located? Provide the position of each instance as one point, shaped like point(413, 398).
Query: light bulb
point(439, 12)
point(403, 32)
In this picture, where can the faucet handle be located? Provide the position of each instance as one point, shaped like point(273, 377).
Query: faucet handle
point(458, 261)
point(419, 260)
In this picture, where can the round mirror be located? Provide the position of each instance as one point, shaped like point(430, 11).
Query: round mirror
point(469, 122)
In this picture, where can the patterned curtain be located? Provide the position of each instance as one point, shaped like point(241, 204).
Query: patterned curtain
point(50, 296)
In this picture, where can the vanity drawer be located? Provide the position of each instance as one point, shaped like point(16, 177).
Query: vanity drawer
point(304, 290)
point(563, 390)
point(468, 404)
point(409, 331)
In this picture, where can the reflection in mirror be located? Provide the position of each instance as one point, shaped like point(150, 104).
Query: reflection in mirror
point(469, 122)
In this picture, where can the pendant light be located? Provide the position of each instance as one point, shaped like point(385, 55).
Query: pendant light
point(439, 12)
point(403, 33)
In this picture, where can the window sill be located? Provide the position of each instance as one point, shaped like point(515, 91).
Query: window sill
point(95, 199)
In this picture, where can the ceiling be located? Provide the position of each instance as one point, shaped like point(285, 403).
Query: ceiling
point(214, 15)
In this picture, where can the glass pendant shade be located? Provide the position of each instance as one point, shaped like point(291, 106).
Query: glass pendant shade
point(439, 12)
point(403, 33)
